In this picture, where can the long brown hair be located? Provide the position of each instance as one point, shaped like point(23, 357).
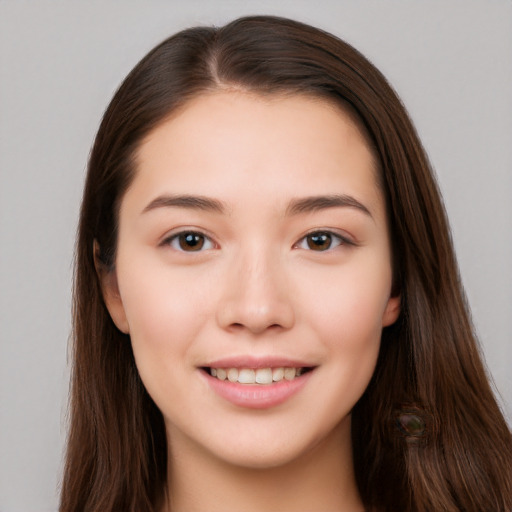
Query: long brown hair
point(459, 456)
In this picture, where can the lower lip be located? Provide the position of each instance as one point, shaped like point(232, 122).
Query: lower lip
point(257, 396)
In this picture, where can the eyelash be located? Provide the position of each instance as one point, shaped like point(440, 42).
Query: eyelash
point(329, 235)
point(175, 241)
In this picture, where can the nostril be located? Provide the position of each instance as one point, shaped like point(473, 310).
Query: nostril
point(255, 314)
point(237, 326)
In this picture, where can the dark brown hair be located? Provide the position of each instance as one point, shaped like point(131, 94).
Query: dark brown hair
point(458, 456)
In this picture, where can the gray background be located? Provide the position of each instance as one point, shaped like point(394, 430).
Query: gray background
point(61, 61)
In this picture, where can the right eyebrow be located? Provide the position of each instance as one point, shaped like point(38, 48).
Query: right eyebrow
point(316, 203)
point(186, 201)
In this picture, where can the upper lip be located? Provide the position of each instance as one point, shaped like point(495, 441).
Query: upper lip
point(257, 362)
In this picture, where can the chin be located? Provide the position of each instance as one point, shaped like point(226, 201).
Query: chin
point(277, 450)
point(255, 458)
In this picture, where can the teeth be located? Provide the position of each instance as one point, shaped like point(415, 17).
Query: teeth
point(289, 373)
point(256, 376)
point(264, 376)
point(277, 374)
point(233, 374)
point(246, 376)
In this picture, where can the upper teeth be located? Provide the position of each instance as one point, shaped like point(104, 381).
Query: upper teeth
point(258, 376)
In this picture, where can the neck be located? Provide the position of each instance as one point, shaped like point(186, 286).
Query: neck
point(321, 479)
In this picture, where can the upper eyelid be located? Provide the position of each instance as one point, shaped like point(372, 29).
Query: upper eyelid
point(169, 240)
point(173, 233)
point(347, 238)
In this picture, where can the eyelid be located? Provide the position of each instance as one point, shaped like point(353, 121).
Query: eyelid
point(343, 238)
point(173, 235)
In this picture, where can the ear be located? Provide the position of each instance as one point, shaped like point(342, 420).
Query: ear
point(110, 291)
point(392, 311)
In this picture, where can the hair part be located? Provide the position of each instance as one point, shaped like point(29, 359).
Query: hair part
point(429, 360)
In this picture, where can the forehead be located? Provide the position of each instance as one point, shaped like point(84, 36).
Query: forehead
point(248, 110)
point(227, 142)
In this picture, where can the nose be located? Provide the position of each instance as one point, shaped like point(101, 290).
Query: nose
point(256, 296)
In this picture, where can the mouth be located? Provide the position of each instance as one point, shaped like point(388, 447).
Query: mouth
point(257, 376)
point(257, 383)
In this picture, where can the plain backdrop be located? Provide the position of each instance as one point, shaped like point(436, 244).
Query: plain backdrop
point(61, 61)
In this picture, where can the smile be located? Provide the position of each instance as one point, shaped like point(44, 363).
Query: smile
point(261, 376)
point(259, 387)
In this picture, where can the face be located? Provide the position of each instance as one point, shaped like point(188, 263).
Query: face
point(253, 274)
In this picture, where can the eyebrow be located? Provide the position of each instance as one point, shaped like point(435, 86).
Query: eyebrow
point(186, 201)
point(316, 203)
point(295, 207)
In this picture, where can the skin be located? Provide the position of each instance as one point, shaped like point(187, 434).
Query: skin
point(258, 287)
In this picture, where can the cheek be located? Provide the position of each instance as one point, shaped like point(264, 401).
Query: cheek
point(165, 312)
point(347, 315)
point(351, 302)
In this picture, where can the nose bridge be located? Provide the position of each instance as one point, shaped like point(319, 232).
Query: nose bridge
point(256, 295)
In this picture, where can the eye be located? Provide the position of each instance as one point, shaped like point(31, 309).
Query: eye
point(189, 241)
point(321, 241)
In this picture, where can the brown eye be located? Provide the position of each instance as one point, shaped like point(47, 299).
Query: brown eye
point(189, 241)
point(319, 241)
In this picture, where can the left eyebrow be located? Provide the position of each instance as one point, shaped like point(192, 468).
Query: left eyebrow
point(316, 203)
point(186, 201)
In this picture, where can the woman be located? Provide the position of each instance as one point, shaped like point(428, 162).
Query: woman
point(268, 311)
